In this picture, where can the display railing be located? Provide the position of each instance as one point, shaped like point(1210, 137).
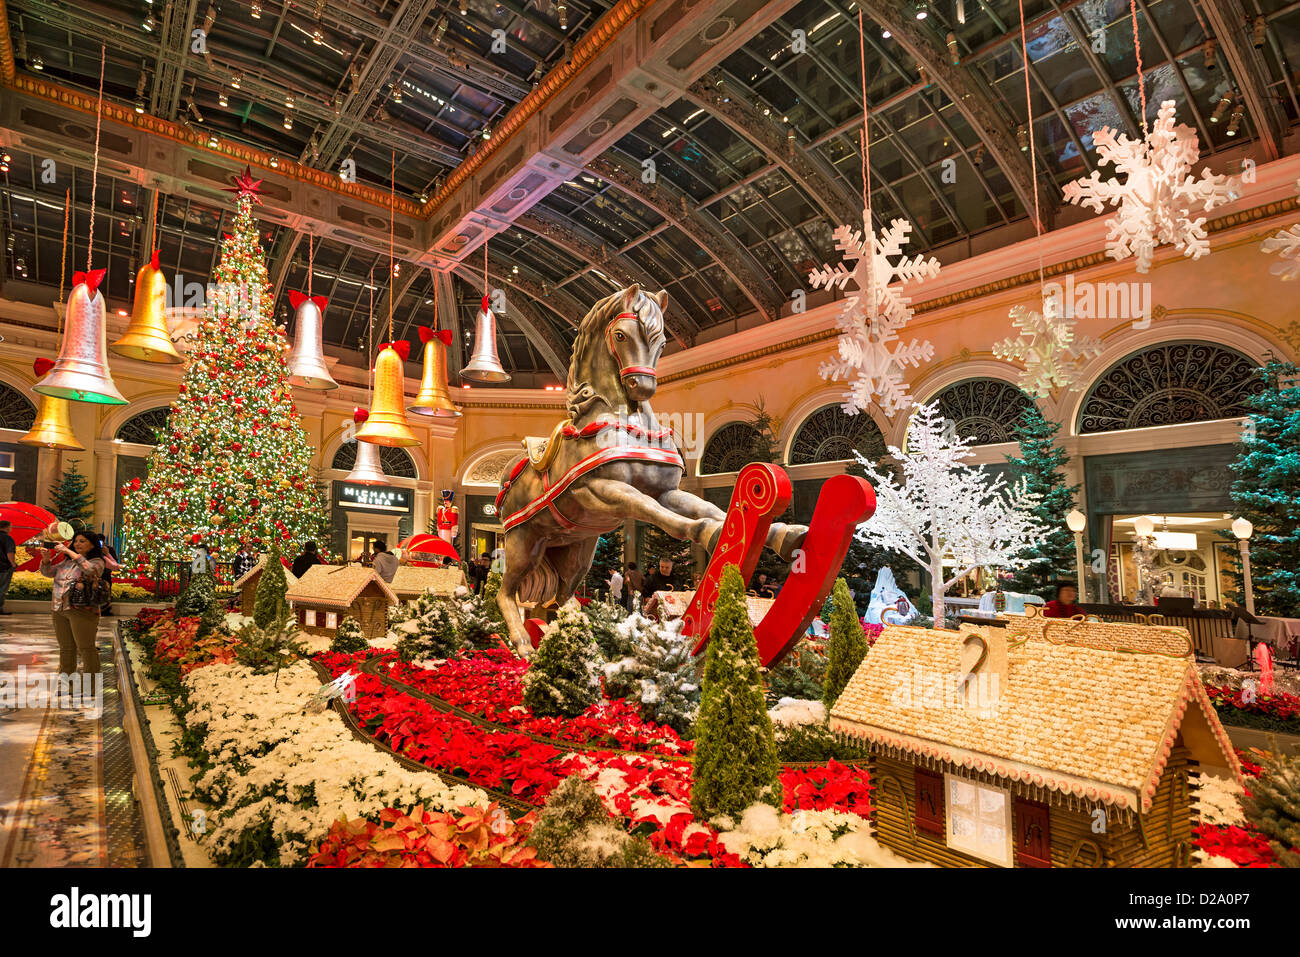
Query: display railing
point(170, 579)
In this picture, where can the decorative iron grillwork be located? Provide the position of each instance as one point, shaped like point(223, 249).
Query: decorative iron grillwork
point(730, 449)
point(1170, 384)
point(16, 410)
point(831, 435)
point(987, 410)
point(397, 463)
point(143, 427)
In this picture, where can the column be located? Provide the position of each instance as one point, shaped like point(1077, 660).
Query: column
point(424, 492)
point(105, 485)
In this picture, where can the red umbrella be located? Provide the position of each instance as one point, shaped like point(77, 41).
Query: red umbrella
point(426, 544)
point(27, 520)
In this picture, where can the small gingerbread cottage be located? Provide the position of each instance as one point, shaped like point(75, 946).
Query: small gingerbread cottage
point(246, 585)
point(412, 581)
point(1034, 743)
point(326, 594)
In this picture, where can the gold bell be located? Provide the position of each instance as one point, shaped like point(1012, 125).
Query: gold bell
point(81, 372)
point(52, 428)
point(147, 338)
point(386, 424)
point(434, 397)
point(368, 470)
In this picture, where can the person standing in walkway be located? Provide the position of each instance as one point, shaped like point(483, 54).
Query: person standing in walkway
point(616, 587)
point(8, 561)
point(384, 562)
point(75, 622)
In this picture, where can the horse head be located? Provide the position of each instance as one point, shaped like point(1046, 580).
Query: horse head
point(618, 347)
point(635, 336)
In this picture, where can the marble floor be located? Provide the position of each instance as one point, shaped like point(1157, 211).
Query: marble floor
point(66, 776)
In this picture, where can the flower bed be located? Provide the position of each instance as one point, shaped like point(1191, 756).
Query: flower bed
point(649, 793)
point(33, 586)
point(1268, 712)
point(490, 684)
point(467, 837)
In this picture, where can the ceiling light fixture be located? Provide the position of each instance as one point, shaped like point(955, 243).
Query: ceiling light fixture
point(222, 99)
point(961, 11)
point(288, 122)
point(139, 105)
point(562, 11)
point(953, 54)
point(920, 10)
point(885, 34)
point(1261, 26)
point(148, 24)
point(1211, 49)
point(210, 18)
point(288, 101)
point(1022, 137)
point(1238, 112)
point(275, 163)
point(1221, 108)
point(440, 30)
point(255, 11)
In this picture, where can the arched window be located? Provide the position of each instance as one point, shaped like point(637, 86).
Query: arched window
point(397, 463)
point(831, 435)
point(730, 448)
point(16, 410)
point(987, 410)
point(488, 469)
point(144, 427)
point(1169, 384)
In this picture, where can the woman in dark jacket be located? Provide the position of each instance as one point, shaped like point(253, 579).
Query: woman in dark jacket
point(308, 558)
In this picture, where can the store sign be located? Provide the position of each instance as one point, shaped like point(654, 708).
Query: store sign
point(489, 509)
point(374, 498)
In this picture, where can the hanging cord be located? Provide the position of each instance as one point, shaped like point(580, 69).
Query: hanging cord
point(1033, 153)
point(311, 261)
point(485, 270)
point(392, 263)
point(866, 138)
point(1137, 50)
point(370, 342)
point(63, 265)
point(435, 303)
point(94, 172)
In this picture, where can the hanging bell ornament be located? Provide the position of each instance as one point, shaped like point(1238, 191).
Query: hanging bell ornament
point(386, 424)
point(434, 397)
point(81, 372)
point(147, 338)
point(484, 366)
point(52, 428)
point(307, 358)
point(368, 470)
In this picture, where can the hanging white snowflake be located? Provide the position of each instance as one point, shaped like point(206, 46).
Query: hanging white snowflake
point(1287, 245)
point(1048, 349)
point(869, 350)
point(1159, 195)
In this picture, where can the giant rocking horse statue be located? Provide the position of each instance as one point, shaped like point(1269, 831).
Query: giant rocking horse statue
point(607, 462)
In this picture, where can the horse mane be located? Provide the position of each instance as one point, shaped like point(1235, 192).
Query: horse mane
point(592, 327)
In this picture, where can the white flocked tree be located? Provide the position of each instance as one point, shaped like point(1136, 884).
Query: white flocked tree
point(948, 516)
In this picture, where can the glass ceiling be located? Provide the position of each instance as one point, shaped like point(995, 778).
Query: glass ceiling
point(431, 91)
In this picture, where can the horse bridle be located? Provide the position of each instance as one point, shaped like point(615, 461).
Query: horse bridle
point(609, 342)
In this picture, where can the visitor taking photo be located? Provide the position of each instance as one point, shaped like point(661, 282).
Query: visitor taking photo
point(74, 603)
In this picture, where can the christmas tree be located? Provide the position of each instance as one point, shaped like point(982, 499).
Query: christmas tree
point(1267, 488)
point(735, 751)
point(349, 638)
point(608, 556)
point(658, 671)
point(1273, 806)
point(1042, 465)
point(847, 646)
point(232, 462)
point(564, 677)
point(269, 603)
point(69, 499)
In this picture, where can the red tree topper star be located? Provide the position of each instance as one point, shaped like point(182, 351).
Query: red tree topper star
point(245, 185)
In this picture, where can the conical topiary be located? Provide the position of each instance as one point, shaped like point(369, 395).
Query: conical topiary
point(1273, 806)
point(564, 678)
point(269, 605)
point(349, 638)
point(847, 646)
point(735, 753)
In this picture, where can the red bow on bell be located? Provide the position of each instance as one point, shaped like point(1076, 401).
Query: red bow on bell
point(401, 347)
point(428, 334)
point(91, 279)
point(296, 299)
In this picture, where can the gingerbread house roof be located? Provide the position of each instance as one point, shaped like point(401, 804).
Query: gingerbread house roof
point(336, 586)
point(252, 574)
point(675, 603)
point(413, 580)
point(1085, 709)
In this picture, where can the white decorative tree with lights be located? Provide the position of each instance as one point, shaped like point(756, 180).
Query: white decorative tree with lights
point(948, 516)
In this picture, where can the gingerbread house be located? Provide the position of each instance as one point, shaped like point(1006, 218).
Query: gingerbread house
point(326, 594)
point(1034, 743)
point(411, 581)
point(246, 585)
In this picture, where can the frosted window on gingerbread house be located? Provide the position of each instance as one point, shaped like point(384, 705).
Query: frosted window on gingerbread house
point(979, 820)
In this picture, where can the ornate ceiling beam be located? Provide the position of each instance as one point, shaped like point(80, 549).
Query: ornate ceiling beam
point(634, 60)
point(969, 94)
point(577, 243)
point(704, 230)
point(173, 47)
point(1230, 23)
point(730, 104)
